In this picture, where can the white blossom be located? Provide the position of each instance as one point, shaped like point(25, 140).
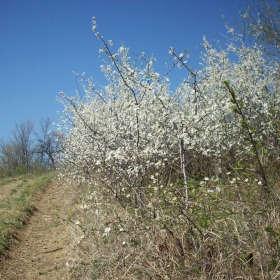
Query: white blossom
point(106, 231)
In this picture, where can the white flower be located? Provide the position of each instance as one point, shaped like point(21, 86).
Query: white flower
point(106, 231)
point(84, 206)
point(171, 50)
point(77, 222)
point(218, 189)
point(93, 24)
point(181, 56)
point(260, 183)
point(246, 180)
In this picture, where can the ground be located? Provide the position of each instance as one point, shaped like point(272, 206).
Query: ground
point(42, 248)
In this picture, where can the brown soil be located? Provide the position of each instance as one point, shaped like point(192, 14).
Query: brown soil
point(42, 248)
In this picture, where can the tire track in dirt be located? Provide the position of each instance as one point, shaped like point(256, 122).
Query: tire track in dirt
point(42, 247)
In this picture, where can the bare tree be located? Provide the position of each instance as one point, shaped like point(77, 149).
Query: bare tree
point(9, 156)
point(28, 149)
point(21, 137)
point(16, 154)
point(46, 142)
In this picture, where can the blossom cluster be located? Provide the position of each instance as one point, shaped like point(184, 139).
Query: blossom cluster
point(133, 127)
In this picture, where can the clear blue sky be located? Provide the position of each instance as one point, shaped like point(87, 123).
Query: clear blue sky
point(43, 41)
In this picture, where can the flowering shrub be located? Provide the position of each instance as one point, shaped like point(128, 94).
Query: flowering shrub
point(147, 146)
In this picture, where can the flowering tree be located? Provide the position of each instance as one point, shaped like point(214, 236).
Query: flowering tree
point(261, 24)
point(145, 144)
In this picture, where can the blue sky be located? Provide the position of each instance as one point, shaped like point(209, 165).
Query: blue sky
point(42, 42)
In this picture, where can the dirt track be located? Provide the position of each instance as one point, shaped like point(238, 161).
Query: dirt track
point(43, 246)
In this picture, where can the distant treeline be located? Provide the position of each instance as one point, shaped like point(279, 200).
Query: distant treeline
point(28, 149)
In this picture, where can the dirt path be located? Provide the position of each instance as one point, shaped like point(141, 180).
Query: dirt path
point(42, 247)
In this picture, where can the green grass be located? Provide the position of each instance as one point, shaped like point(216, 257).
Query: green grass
point(5, 181)
point(18, 205)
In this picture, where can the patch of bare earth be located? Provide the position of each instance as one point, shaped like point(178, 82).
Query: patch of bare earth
point(42, 248)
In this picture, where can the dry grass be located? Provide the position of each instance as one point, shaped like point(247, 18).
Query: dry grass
point(17, 201)
point(231, 230)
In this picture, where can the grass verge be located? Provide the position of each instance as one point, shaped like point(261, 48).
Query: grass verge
point(18, 204)
point(5, 181)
